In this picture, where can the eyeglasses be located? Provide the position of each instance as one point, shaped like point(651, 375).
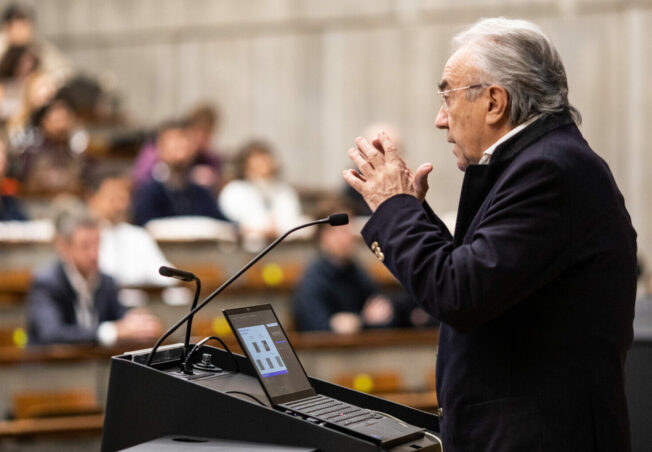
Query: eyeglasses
point(445, 95)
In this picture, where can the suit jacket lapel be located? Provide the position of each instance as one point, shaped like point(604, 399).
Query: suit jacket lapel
point(70, 296)
point(480, 179)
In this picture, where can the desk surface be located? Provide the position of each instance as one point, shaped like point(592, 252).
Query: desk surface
point(324, 355)
point(300, 341)
point(61, 425)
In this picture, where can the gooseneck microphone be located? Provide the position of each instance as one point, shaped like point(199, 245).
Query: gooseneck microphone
point(184, 276)
point(337, 219)
point(176, 273)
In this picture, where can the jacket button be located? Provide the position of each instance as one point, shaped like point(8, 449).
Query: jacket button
point(374, 246)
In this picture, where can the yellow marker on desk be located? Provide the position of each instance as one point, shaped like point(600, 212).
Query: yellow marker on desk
point(220, 326)
point(363, 383)
point(19, 337)
point(272, 275)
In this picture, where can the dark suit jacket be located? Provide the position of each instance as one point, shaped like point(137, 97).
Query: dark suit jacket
point(535, 294)
point(327, 288)
point(156, 200)
point(51, 308)
point(11, 209)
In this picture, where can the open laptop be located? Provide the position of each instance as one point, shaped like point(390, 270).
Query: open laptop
point(286, 384)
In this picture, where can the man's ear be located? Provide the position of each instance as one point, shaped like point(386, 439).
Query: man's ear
point(497, 112)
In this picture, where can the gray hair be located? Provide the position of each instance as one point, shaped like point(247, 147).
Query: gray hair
point(518, 56)
point(67, 223)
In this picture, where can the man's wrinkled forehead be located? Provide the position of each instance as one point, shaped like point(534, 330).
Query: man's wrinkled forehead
point(459, 69)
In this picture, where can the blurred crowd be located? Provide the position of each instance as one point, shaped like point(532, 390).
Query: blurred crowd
point(49, 118)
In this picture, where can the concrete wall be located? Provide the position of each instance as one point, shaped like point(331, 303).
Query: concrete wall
point(310, 74)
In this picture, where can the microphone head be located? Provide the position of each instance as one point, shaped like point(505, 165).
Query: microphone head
point(338, 219)
point(176, 273)
point(165, 271)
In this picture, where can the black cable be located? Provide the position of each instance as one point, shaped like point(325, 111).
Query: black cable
point(184, 366)
point(333, 220)
point(246, 394)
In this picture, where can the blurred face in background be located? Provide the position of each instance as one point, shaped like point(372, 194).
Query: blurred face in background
point(201, 135)
point(175, 148)
point(81, 250)
point(338, 241)
point(260, 166)
point(58, 122)
point(39, 90)
point(19, 32)
point(27, 64)
point(111, 200)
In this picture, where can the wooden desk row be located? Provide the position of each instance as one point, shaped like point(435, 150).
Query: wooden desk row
point(302, 342)
point(355, 350)
point(48, 427)
point(263, 277)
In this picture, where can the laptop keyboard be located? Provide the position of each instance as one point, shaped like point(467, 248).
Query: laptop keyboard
point(366, 423)
point(333, 411)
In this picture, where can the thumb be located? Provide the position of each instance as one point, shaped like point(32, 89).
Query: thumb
point(421, 180)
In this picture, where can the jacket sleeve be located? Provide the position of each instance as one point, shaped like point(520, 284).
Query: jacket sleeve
point(519, 245)
point(311, 306)
point(47, 321)
point(108, 291)
point(436, 220)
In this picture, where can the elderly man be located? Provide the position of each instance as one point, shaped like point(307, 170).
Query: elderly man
point(535, 291)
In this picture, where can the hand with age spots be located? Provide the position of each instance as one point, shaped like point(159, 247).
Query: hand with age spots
point(382, 173)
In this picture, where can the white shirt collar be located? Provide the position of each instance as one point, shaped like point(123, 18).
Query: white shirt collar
point(84, 289)
point(486, 155)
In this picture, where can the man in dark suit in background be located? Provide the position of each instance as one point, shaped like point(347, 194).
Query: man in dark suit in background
point(73, 302)
point(535, 291)
point(171, 191)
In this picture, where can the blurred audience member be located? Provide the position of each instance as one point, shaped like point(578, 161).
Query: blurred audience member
point(17, 63)
point(18, 30)
point(94, 100)
point(127, 252)
point(206, 169)
point(37, 91)
point(50, 163)
point(335, 293)
point(171, 192)
point(10, 207)
point(72, 301)
point(203, 123)
point(258, 200)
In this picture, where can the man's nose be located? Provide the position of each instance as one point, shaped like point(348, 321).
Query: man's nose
point(441, 122)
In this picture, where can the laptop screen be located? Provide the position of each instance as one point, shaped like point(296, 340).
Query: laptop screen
point(263, 340)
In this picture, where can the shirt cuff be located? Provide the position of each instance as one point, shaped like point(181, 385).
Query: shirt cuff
point(107, 334)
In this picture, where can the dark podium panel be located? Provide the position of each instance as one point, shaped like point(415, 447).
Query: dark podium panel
point(638, 388)
point(146, 403)
point(193, 444)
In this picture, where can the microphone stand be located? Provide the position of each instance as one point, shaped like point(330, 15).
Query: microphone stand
point(333, 219)
point(186, 342)
point(186, 277)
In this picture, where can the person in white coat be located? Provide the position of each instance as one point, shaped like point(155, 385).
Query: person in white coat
point(261, 203)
